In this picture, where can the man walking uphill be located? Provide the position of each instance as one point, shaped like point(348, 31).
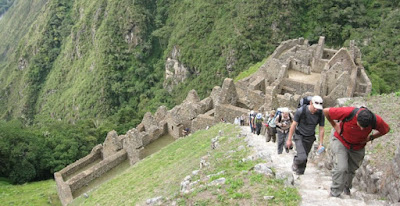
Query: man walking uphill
point(350, 138)
point(305, 120)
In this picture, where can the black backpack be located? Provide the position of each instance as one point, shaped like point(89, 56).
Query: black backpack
point(304, 101)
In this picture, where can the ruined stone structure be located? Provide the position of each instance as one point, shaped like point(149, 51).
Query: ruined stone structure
point(294, 70)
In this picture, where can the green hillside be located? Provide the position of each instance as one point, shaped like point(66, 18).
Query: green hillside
point(92, 66)
point(37, 193)
point(99, 60)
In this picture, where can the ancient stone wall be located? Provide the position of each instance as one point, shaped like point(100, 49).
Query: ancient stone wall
point(328, 53)
point(63, 189)
point(97, 170)
point(228, 113)
point(202, 122)
point(94, 155)
point(318, 63)
point(295, 87)
point(286, 45)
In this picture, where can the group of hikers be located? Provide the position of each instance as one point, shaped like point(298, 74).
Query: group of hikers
point(354, 128)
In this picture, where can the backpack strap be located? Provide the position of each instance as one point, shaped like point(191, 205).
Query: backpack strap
point(303, 113)
point(350, 117)
point(353, 113)
point(304, 116)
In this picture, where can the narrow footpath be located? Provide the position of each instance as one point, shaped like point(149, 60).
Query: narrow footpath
point(314, 185)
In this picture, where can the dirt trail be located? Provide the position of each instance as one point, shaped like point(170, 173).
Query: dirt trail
point(314, 184)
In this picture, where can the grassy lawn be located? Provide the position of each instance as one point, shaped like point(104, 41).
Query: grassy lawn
point(37, 193)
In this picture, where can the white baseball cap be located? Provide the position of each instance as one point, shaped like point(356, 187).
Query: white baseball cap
point(317, 102)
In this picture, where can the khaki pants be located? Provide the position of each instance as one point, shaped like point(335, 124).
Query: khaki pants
point(271, 134)
point(346, 162)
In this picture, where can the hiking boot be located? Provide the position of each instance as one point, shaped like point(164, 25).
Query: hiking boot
point(294, 167)
point(346, 191)
point(332, 195)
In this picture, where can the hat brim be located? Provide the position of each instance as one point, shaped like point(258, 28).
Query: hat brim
point(318, 106)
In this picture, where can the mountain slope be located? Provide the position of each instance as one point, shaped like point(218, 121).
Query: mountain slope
point(99, 60)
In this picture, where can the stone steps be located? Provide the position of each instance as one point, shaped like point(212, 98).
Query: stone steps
point(314, 185)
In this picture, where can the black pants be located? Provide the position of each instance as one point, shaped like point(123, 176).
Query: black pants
point(258, 128)
point(303, 147)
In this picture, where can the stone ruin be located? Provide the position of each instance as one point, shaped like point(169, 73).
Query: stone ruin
point(295, 69)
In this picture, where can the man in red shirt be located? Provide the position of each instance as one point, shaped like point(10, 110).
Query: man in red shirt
point(351, 136)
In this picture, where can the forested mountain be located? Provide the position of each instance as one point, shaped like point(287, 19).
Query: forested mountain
point(72, 70)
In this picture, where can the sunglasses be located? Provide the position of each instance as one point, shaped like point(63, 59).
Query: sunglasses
point(318, 103)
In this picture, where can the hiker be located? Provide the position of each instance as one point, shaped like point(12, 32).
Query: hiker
point(236, 121)
point(264, 127)
point(258, 121)
point(186, 131)
point(306, 118)
point(283, 122)
point(271, 127)
point(242, 120)
point(350, 137)
point(251, 122)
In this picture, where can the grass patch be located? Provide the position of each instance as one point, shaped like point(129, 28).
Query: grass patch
point(287, 195)
point(158, 175)
point(37, 193)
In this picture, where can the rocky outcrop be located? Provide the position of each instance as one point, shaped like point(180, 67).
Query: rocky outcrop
point(175, 71)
